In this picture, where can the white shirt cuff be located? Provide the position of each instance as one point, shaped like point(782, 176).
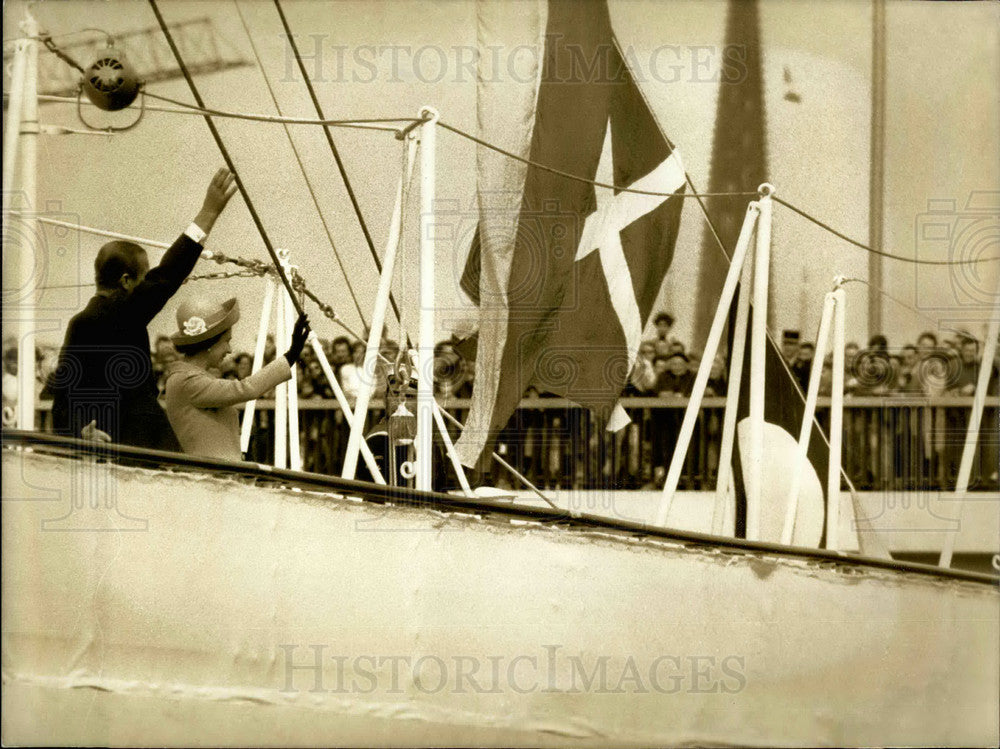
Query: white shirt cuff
point(195, 233)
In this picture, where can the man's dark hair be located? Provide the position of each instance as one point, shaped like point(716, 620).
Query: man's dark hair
point(878, 342)
point(341, 339)
point(196, 348)
point(664, 316)
point(115, 259)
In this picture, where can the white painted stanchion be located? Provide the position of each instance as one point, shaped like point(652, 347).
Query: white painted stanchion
point(258, 359)
point(705, 368)
point(836, 425)
point(425, 382)
point(725, 487)
point(12, 133)
point(456, 464)
point(281, 392)
point(26, 250)
point(367, 377)
point(758, 356)
point(972, 432)
point(812, 396)
point(338, 393)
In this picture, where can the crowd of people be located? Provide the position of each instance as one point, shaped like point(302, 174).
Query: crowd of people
point(665, 367)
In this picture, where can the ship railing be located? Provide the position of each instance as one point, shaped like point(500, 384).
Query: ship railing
point(890, 443)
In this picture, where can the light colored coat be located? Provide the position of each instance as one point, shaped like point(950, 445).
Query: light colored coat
point(201, 408)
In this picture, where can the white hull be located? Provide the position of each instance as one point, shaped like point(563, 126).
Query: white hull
point(181, 628)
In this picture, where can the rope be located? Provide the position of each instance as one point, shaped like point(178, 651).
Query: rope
point(333, 147)
point(104, 233)
point(253, 267)
point(51, 47)
point(687, 177)
point(935, 324)
point(298, 159)
point(882, 253)
point(225, 155)
point(196, 112)
point(207, 111)
point(585, 180)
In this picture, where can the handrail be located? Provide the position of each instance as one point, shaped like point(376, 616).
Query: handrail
point(76, 448)
point(906, 400)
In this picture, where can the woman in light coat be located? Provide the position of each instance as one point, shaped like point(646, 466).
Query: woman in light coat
point(202, 408)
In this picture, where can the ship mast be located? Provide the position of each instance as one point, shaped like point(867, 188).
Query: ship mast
point(876, 186)
point(21, 150)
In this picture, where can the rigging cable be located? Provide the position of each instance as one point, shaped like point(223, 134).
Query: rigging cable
point(371, 124)
point(333, 147)
point(229, 162)
point(699, 195)
point(935, 324)
point(302, 168)
point(882, 253)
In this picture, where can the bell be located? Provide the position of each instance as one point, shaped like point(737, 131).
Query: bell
point(110, 81)
point(402, 425)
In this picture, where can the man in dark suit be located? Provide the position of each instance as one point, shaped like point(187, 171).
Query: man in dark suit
point(104, 386)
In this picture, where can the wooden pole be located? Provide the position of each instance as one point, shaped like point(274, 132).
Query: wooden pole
point(12, 133)
point(281, 392)
point(258, 359)
point(758, 355)
point(805, 433)
point(338, 393)
point(449, 446)
point(972, 432)
point(836, 424)
point(367, 375)
point(724, 482)
point(705, 368)
point(425, 381)
point(26, 250)
point(876, 188)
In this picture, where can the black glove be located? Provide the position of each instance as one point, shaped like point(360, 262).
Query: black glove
point(299, 335)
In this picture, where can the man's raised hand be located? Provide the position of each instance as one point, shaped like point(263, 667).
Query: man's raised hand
point(220, 190)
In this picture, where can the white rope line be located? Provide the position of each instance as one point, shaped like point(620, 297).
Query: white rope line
point(358, 125)
point(104, 233)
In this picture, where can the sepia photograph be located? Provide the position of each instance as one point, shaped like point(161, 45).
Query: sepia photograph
point(492, 373)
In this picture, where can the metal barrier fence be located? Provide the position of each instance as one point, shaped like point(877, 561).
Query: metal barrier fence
point(889, 443)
